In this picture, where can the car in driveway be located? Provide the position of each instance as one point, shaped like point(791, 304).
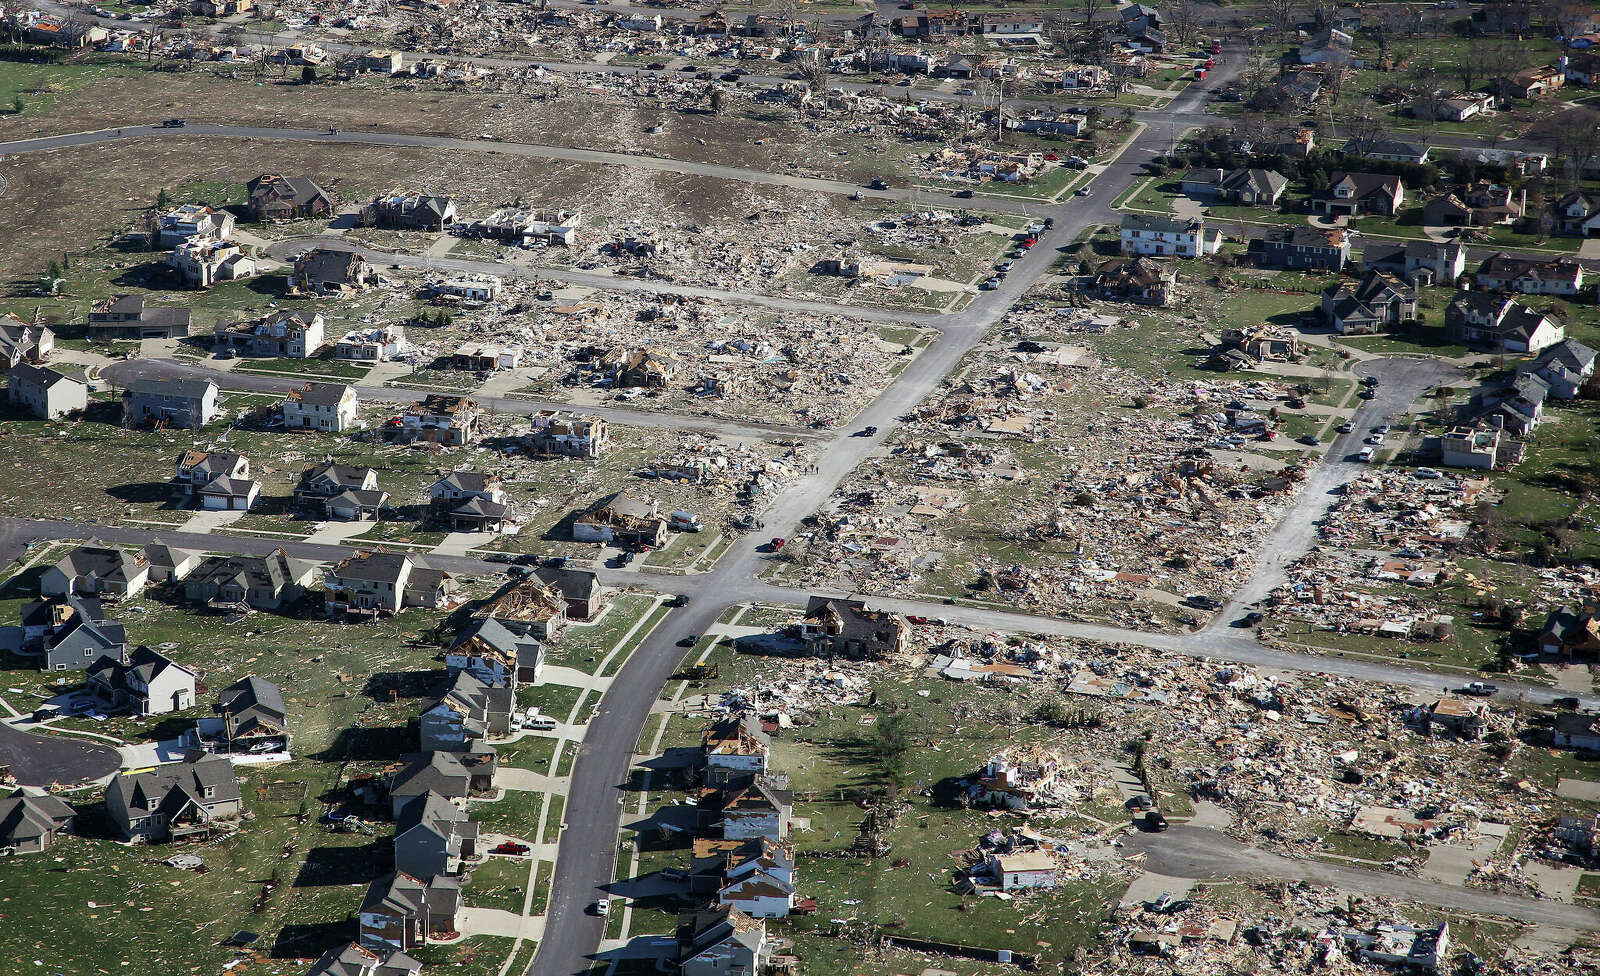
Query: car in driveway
point(1308, 440)
point(510, 848)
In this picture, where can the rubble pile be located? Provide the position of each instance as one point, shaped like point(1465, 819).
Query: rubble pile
point(718, 467)
point(1105, 500)
point(705, 356)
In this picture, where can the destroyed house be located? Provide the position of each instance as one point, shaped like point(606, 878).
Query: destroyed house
point(450, 421)
point(31, 824)
point(169, 403)
point(721, 942)
point(128, 317)
point(254, 717)
point(836, 626)
point(760, 884)
point(287, 333)
point(146, 683)
point(433, 836)
point(453, 775)
point(1013, 785)
point(1407, 947)
point(1137, 279)
point(372, 583)
point(338, 274)
point(193, 220)
point(622, 519)
point(402, 912)
point(497, 654)
point(567, 433)
point(734, 748)
point(93, 569)
point(378, 344)
point(642, 368)
point(1024, 870)
point(175, 800)
point(353, 960)
point(467, 713)
point(1577, 730)
point(268, 582)
point(750, 808)
point(274, 197)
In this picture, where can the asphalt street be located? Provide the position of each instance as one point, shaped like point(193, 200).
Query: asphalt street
point(1204, 854)
point(38, 760)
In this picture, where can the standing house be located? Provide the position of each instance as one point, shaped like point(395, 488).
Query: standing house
point(268, 582)
point(168, 564)
point(201, 262)
point(414, 211)
point(169, 403)
point(385, 582)
point(128, 317)
point(149, 683)
point(272, 197)
point(1478, 319)
point(215, 480)
point(1564, 367)
point(1301, 247)
point(321, 406)
point(401, 911)
point(1470, 447)
point(761, 884)
point(46, 393)
point(24, 343)
point(1247, 187)
point(1420, 263)
point(752, 808)
point(31, 824)
point(1157, 234)
point(93, 569)
point(1352, 194)
point(432, 837)
point(470, 501)
point(1388, 150)
point(1531, 276)
point(1377, 303)
point(833, 625)
point(379, 344)
point(454, 775)
point(81, 640)
point(174, 801)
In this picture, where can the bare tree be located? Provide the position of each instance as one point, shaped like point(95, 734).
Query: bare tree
point(1091, 10)
point(1364, 125)
point(1185, 20)
point(1280, 14)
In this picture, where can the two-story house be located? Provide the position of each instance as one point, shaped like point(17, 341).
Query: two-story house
point(385, 583)
point(433, 836)
point(286, 332)
point(1160, 234)
point(836, 626)
point(267, 583)
point(469, 712)
point(147, 683)
point(500, 653)
point(192, 220)
point(169, 403)
point(1313, 248)
point(1353, 194)
point(450, 421)
point(321, 406)
point(401, 911)
point(570, 434)
point(99, 570)
point(1476, 318)
point(470, 501)
point(175, 800)
point(48, 394)
point(1378, 302)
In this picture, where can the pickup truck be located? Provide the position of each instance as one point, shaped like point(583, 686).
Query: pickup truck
point(1482, 688)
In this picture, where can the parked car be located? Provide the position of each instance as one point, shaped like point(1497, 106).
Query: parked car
point(1083, 191)
point(1155, 822)
point(1432, 474)
point(602, 907)
point(681, 600)
point(1308, 440)
point(879, 184)
point(1375, 439)
point(963, 194)
point(689, 641)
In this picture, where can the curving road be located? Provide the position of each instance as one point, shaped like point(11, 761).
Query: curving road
point(47, 760)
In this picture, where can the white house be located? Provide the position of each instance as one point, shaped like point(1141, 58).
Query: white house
point(1159, 234)
point(1028, 869)
point(46, 393)
point(202, 262)
point(321, 406)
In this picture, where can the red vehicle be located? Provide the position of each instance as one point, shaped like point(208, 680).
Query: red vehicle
point(510, 847)
point(1211, 63)
point(1216, 46)
point(1029, 241)
point(1199, 74)
point(913, 618)
point(1052, 156)
point(777, 543)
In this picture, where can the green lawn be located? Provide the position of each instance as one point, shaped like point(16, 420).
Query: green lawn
point(316, 366)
